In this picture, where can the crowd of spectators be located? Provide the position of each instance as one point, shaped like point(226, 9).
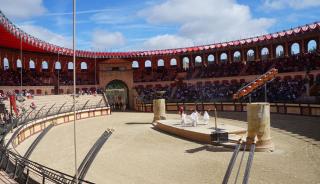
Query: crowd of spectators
point(293, 63)
point(299, 62)
point(285, 90)
point(29, 78)
point(205, 93)
point(161, 74)
point(147, 94)
point(11, 77)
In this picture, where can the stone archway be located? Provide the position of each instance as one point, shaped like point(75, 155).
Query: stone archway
point(117, 93)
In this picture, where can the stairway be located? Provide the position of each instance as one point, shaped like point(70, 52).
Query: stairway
point(49, 100)
point(5, 178)
point(173, 92)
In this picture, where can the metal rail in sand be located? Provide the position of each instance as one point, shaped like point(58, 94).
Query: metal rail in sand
point(87, 161)
point(36, 141)
point(233, 161)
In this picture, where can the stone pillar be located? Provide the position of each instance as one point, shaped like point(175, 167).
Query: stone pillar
point(286, 49)
point(271, 52)
point(257, 54)
point(217, 57)
point(159, 109)
point(258, 115)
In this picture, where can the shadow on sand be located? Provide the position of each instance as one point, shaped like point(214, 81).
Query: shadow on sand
point(136, 123)
point(292, 125)
point(210, 148)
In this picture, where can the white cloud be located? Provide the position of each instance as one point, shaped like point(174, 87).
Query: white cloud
point(295, 4)
point(47, 35)
point(107, 40)
point(22, 9)
point(207, 21)
point(109, 18)
point(166, 41)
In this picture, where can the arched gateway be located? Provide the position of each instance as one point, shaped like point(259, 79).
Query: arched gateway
point(117, 93)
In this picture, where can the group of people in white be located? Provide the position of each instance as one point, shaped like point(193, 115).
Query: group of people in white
point(194, 118)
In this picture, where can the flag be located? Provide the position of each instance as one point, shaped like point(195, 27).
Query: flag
point(13, 104)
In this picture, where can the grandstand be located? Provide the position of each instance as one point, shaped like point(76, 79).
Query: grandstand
point(38, 77)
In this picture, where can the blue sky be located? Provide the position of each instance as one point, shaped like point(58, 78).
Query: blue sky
point(123, 25)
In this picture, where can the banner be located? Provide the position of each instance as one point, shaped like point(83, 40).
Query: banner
point(13, 104)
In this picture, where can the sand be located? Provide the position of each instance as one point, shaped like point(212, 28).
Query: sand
point(136, 153)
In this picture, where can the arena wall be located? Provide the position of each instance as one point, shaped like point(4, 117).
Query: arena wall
point(117, 69)
point(39, 125)
point(248, 78)
point(44, 90)
point(279, 108)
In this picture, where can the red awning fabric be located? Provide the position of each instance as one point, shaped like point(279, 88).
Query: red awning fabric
point(11, 36)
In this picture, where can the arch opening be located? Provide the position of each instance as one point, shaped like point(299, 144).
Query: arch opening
point(84, 66)
point(264, 53)
point(250, 55)
point(173, 62)
point(135, 64)
point(223, 57)
point(19, 63)
point(210, 58)
point(279, 51)
point(32, 65)
point(185, 63)
point(6, 64)
point(160, 63)
point(57, 65)
point(312, 46)
point(147, 64)
point(44, 65)
point(237, 56)
point(198, 60)
point(295, 49)
point(117, 94)
point(70, 65)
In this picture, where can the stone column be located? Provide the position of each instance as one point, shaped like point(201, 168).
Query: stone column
point(258, 115)
point(159, 109)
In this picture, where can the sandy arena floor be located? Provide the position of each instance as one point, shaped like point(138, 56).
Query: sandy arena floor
point(136, 153)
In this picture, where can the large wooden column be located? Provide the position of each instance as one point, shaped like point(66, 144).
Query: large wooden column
point(258, 115)
point(159, 109)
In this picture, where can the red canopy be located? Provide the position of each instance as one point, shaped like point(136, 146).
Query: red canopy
point(11, 35)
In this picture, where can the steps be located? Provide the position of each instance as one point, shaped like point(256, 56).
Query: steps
point(315, 90)
point(5, 178)
point(58, 100)
point(173, 92)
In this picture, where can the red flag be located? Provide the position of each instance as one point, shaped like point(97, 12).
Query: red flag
point(13, 104)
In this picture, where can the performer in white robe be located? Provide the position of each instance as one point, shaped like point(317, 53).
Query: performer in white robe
point(206, 117)
point(183, 119)
point(195, 118)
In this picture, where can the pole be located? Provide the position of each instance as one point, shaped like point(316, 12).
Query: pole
point(10, 116)
point(74, 91)
point(95, 71)
point(265, 93)
point(215, 118)
point(21, 64)
point(59, 74)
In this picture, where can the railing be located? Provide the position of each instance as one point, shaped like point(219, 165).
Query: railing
point(105, 98)
point(240, 146)
point(26, 171)
point(257, 83)
point(280, 108)
point(35, 114)
point(87, 161)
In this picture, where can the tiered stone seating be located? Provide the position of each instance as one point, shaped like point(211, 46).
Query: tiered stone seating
point(49, 100)
point(5, 178)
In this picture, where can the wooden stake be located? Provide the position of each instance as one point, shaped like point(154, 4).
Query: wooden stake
point(215, 118)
